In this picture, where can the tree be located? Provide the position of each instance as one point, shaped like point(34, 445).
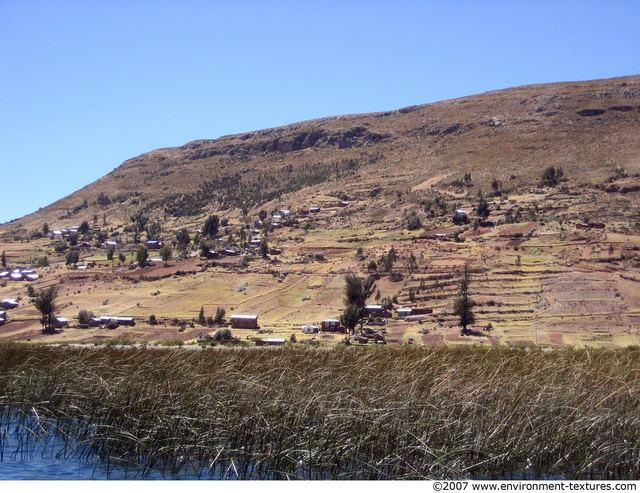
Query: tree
point(219, 317)
point(84, 316)
point(205, 246)
point(153, 230)
point(165, 254)
point(201, 318)
point(45, 302)
point(387, 260)
point(211, 227)
point(414, 222)
point(551, 175)
point(122, 258)
point(264, 247)
point(222, 335)
point(72, 257)
point(350, 317)
point(482, 209)
point(356, 292)
point(142, 255)
point(463, 304)
point(84, 227)
point(4, 259)
point(182, 238)
point(262, 215)
point(139, 221)
point(110, 253)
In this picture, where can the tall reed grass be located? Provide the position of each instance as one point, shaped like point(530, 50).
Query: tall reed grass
point(349, 413)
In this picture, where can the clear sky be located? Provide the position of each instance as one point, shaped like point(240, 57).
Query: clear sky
point(87, 84)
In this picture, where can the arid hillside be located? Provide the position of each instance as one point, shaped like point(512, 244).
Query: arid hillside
point(545, 179)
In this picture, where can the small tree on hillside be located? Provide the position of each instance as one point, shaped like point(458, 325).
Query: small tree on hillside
point(211, 227)
point(463, 305)
point(153, 230)
point(482, 209)
point(219, 317)
point(264, 247)
point(142, 254)
point(551, 176)
point(110, 253)
point(139, 221)
point(166, 252)
point(45, 302)
point(182, 238)
point(356, 292)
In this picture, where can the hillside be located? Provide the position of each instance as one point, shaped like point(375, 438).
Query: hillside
point(555, 263)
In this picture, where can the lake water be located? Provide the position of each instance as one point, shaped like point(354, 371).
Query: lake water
point(29, 453)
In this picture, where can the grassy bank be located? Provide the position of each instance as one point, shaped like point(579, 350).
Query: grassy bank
point(344, 413)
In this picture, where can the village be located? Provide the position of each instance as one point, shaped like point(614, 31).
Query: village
point(279, 278)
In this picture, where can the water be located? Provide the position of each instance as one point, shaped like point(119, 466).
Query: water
point(32, 450)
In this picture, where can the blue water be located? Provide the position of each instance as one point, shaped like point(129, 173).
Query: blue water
point(28, 451)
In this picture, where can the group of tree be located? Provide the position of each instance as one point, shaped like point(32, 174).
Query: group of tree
point(357, 290)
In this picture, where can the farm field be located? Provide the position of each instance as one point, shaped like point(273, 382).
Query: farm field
point(539, 283)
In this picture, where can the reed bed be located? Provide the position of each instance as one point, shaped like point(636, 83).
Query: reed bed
point(384, 413)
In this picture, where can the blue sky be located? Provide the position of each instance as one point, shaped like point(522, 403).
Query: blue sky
point(87, 84)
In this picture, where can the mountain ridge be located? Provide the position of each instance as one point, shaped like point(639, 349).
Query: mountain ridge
point(457, 133)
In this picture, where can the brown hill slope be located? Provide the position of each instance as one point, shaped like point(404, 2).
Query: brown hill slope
point(587, 128)
point(555, 263)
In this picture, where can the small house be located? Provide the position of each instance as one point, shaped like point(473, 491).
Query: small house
point(404, 312)
point(314, 210)
point(310, 329)
point(9, 303)
point(582, 226)
point(204, 337)
point(244, 321)
point(154, 244)
point(330, 325)
point(421, 311)
point(105, 319)
point(60, 322)
point(270, 342)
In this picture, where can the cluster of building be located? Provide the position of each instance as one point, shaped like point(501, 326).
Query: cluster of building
point(19, 275)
